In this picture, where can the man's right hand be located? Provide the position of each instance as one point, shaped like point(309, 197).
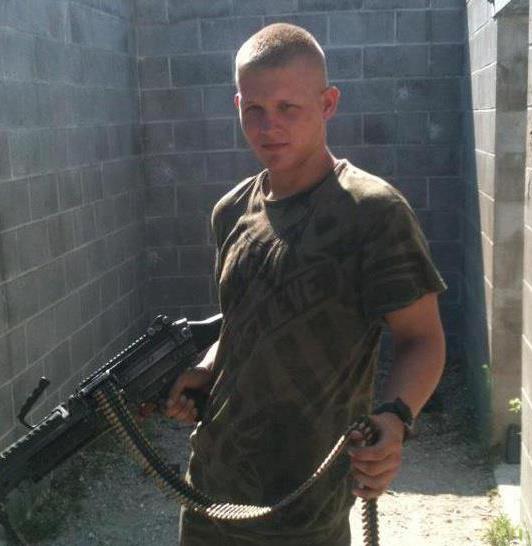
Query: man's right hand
point(178, 405)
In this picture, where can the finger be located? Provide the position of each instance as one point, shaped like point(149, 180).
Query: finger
point(380, 481)
point(366, 493)
point(382, 449)
point(176, 408)
point(191, 417)
point(189, 406)
point(184, 411)
point(356, 437)
point(373, 453)
point(374, 468)
point(175, 393)
point(372, 487)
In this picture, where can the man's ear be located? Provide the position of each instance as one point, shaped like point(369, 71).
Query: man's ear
point(236, 101)
point(330, 99)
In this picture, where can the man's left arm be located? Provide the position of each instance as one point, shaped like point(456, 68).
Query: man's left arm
point(419, 348)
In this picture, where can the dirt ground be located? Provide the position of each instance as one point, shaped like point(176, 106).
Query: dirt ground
point(443, 496)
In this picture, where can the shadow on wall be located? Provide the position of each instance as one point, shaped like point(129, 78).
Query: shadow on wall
point(475, 321)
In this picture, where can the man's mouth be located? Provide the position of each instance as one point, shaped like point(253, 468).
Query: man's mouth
point(274, 146)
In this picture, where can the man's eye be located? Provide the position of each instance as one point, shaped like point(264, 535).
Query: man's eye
point(285, 107)
point(253, 108)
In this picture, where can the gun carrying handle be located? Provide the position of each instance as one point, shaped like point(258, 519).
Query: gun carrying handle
point(30, 402)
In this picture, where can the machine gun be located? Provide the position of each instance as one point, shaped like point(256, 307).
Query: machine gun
point(143, 372)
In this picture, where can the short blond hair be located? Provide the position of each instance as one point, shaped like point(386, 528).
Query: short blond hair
point(275, 46)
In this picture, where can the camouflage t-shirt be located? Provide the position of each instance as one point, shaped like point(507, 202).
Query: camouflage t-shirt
point(304, 283)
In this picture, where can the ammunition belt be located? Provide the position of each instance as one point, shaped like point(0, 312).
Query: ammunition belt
point(113, 407)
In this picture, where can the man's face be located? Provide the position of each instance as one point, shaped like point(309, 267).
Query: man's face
point(283, 113)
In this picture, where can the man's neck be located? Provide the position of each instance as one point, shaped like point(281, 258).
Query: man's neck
point(286, 183)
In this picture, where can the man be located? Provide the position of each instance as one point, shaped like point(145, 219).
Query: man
point(313, 255)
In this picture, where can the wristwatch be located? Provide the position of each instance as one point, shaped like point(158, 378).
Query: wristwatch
point(399, 408)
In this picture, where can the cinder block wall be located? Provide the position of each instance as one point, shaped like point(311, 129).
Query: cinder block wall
point(495, 139)
point(479, 174)
point(526, 392)
point(398, 64)
point(71, 213)
point(80, 170)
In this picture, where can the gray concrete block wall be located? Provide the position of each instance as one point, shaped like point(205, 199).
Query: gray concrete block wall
point(85, 173)
point(398, 64)
point(480, 91)
point(526, 390)
point(71, 194)
point(495, 127)
point(511, 126)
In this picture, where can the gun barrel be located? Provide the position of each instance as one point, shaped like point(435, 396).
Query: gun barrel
point(18, 454)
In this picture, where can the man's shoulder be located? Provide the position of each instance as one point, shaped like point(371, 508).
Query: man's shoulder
point(236, 197)
point(231, 206)
point(367, 190)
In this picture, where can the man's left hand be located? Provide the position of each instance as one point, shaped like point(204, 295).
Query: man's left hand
point(375, 467)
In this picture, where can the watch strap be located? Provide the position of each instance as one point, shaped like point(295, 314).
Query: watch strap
point(402, 410)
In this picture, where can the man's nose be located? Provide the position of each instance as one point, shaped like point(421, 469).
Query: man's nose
point(267, 122)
